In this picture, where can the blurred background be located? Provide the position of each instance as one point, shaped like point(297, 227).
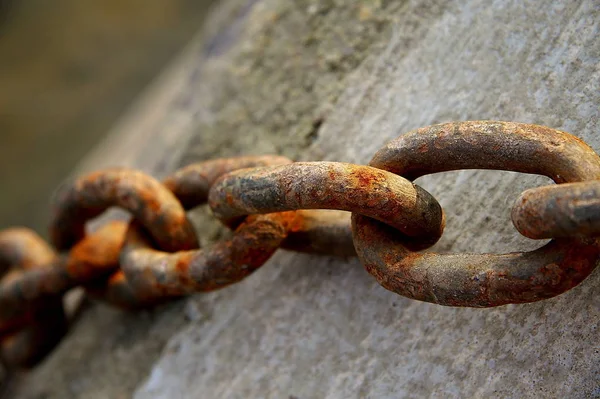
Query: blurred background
point(68, 70)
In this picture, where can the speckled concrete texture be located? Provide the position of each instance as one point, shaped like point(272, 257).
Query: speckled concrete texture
point(306, 326)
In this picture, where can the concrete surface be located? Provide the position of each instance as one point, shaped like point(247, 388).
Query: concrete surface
point(335, 81)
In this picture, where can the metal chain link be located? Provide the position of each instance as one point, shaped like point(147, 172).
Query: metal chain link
point(271, 202)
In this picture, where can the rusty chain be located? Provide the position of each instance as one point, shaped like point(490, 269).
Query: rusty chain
point(271, 202)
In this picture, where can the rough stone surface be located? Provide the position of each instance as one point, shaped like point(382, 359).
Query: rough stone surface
point(336, 80)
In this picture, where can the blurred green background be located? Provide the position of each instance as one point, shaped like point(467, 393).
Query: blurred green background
point(68, 70)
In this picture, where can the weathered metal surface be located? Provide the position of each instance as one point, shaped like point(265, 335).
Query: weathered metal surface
point(147, 199)
point(31, 299)
point(316, 231)
point(150, 276)
point(511, 146)
point(155, 274)
point(325, 232)
point(564, 210)
point(31, 331)
point(21, 292)
point(23, 249)
point(95, 256)
point(476, 280)
point(480, 280)
point(117, 291)
point(330, 185)
point(191, 184)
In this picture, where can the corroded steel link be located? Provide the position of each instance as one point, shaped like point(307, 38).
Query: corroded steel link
point(20, 292)
point(35, 329)
point(323, 232)
point(191, 184)
point(330, 185)
point(565, 210)
point(23, 248)
point(117, 291)
point(496, 145)
point(155, 274)
point(31, 310)
point(146, 198)
point(96, 256)
point(480, 280)
point(475, 280)
point(150, 276)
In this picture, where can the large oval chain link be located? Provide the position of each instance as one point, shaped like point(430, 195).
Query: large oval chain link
point(484, 280)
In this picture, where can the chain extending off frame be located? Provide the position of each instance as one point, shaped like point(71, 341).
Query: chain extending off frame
point(271, 202)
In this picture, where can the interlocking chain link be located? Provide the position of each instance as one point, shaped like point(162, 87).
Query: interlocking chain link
point(30, 331)
point(271, 202)
point(483, 280)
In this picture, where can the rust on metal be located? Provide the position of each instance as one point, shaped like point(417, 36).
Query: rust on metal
point(191, 184)
point(31, 331)
point(330, 185)
point(156, 274)
point(150, 275)
point(23, 248)
point(272, 203)
point(564, 210)
point(497, 145)
point(147, 199)
point(324, 232)
point(480, 280)
point(96, 256)
point(475, 280)
point(116, 291)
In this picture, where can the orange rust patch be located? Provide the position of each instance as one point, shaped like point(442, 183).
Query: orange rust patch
point(366, 178)
point(332, 174)
point(117, 278)
point(183, 265)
